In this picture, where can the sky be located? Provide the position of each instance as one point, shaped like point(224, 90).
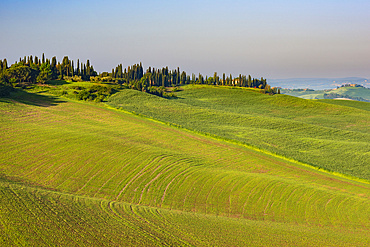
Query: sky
point(265, 38)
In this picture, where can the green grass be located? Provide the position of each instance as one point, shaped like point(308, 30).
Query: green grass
point(32, 216)
point(349, 103)
point(105, 177)
point(319, 94)
point(354, 92)
point(323, 135)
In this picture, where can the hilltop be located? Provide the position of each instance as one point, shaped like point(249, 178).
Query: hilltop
point(348, 91)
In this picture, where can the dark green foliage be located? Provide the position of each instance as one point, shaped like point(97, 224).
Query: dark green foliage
point(45, 73)
point(21, 72)
point(96, 93)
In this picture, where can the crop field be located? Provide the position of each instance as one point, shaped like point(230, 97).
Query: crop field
point(327, 136)
point(105, 177)
point(349, 103)
point(33, 216)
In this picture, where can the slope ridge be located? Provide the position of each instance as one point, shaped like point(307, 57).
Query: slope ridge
point(332, 137)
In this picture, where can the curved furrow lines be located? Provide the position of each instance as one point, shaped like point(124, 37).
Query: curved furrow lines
point(213, 198)
point(115, 173)
point(88, 181)
point(138, 174)
point(176, 194)
point(169, 184)
point(142, 223)
point(141, 214)
point(163, 169)
point(191, 186)
point(79, 226)
point(25, 214)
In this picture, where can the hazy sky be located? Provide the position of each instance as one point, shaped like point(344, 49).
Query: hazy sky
point(273, 39)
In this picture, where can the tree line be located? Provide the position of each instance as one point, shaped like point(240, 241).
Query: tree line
point(40, 70)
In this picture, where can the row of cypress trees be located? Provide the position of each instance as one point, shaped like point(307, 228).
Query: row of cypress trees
point(166, 78)
point(34, 69)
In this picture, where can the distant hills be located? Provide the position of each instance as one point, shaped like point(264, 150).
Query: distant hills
point(318, 83)
point(348, 91)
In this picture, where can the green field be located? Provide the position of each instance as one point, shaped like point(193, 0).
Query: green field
point(79, 173)
point(324, 135)
point(39, 217)
point(359, 92)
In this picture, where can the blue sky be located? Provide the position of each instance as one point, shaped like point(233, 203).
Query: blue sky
point(273, 39)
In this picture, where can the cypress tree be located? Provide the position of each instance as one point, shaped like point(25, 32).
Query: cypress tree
point(43, 58)
point(53, 67)
point(264, 83)
point(223, 79)
point(120, 71)
point(183, 78)
point(60, 70)
point(5, 64)
point(141, 71)
point(88, 72)
point(178, 79)
point(249, 82)
point(244, 81)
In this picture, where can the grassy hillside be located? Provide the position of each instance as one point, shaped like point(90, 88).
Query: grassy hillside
point(31, 216)
point(354, 92)
point(349, 103)
point(329, 136)
point(305, 94)
point(105, 158)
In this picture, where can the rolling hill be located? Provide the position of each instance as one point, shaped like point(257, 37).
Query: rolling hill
point(353, 93)
point(323, 135)
point(79, 173)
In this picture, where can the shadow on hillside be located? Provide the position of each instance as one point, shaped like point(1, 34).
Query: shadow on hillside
point(32, 98)
point(57, 82)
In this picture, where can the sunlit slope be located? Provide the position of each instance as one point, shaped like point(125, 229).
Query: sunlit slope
point(36, 217)
point(90, 150)
point(354, 92)
point(349, 103)
point(329, 136)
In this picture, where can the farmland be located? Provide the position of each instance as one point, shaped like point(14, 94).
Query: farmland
point(39, 217)
point(80, 173)
point(351, 92)
point(328, 136)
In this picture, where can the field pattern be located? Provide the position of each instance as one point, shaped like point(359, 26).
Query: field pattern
point(193, 190)
point(37, 217)
point(329, 136)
